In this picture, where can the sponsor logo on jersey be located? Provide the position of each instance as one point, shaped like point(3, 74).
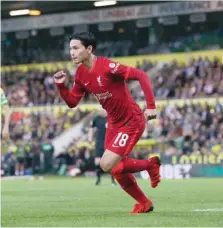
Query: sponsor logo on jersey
point(102, 96)
point(113, 145)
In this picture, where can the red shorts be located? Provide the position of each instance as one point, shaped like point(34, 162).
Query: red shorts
point(122, 140)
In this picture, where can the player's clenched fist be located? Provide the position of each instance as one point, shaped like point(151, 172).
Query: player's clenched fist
point(60, 77)
point(150, 114)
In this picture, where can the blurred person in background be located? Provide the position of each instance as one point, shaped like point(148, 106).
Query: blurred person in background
point(98, 127)
point(20, 158)
point(48, 149)
point(37, 160)
point(5, 110)
point(87, 160)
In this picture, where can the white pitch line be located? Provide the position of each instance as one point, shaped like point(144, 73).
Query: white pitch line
point(209, 210)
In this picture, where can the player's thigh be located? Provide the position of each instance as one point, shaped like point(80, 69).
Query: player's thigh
point(125, 139)
point(110, 134)
point(109, 158)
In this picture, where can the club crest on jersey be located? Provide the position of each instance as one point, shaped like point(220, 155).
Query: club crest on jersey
point(99, 81)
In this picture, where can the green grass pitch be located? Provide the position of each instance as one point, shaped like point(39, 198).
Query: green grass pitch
point(66, 202)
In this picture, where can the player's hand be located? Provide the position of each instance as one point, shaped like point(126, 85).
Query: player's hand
point(5, 133)
point(60, 77)
point(150, 114)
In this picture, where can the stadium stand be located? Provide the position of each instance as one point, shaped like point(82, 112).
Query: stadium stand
point(179, 129)
point(188, 129)
point(197, 78)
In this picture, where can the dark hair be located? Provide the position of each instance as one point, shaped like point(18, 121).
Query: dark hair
point(86, 38)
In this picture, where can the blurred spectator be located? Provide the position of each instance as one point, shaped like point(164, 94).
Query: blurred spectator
point(20, 158)
point(48, 149)
point(172, 150)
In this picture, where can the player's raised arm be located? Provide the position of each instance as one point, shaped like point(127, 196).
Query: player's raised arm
point(71, 97)
point(130, 73)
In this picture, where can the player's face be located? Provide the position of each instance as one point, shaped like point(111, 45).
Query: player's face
point(78, 51)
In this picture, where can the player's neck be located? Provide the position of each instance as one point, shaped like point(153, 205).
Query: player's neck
point(89, 63)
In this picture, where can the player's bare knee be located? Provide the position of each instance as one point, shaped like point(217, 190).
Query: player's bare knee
point(109, 160)
point(106, 165)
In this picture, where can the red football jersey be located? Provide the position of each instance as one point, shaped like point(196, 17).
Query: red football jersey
point(106, 81)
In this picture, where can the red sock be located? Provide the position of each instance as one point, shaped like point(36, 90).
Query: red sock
point(129, 165)
point(128, 183)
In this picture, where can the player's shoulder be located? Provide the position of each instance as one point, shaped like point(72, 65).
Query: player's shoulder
point(105, 60)
point(109, 64)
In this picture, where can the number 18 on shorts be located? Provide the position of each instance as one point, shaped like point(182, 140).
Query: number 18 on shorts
point(122, 141)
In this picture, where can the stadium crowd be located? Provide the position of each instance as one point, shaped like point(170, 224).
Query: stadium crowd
point(31, 136)
point(187, 129)
point(198, 78)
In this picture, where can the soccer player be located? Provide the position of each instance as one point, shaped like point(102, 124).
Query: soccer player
point(98, 125)
point(106, 80)
point(6, 111)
